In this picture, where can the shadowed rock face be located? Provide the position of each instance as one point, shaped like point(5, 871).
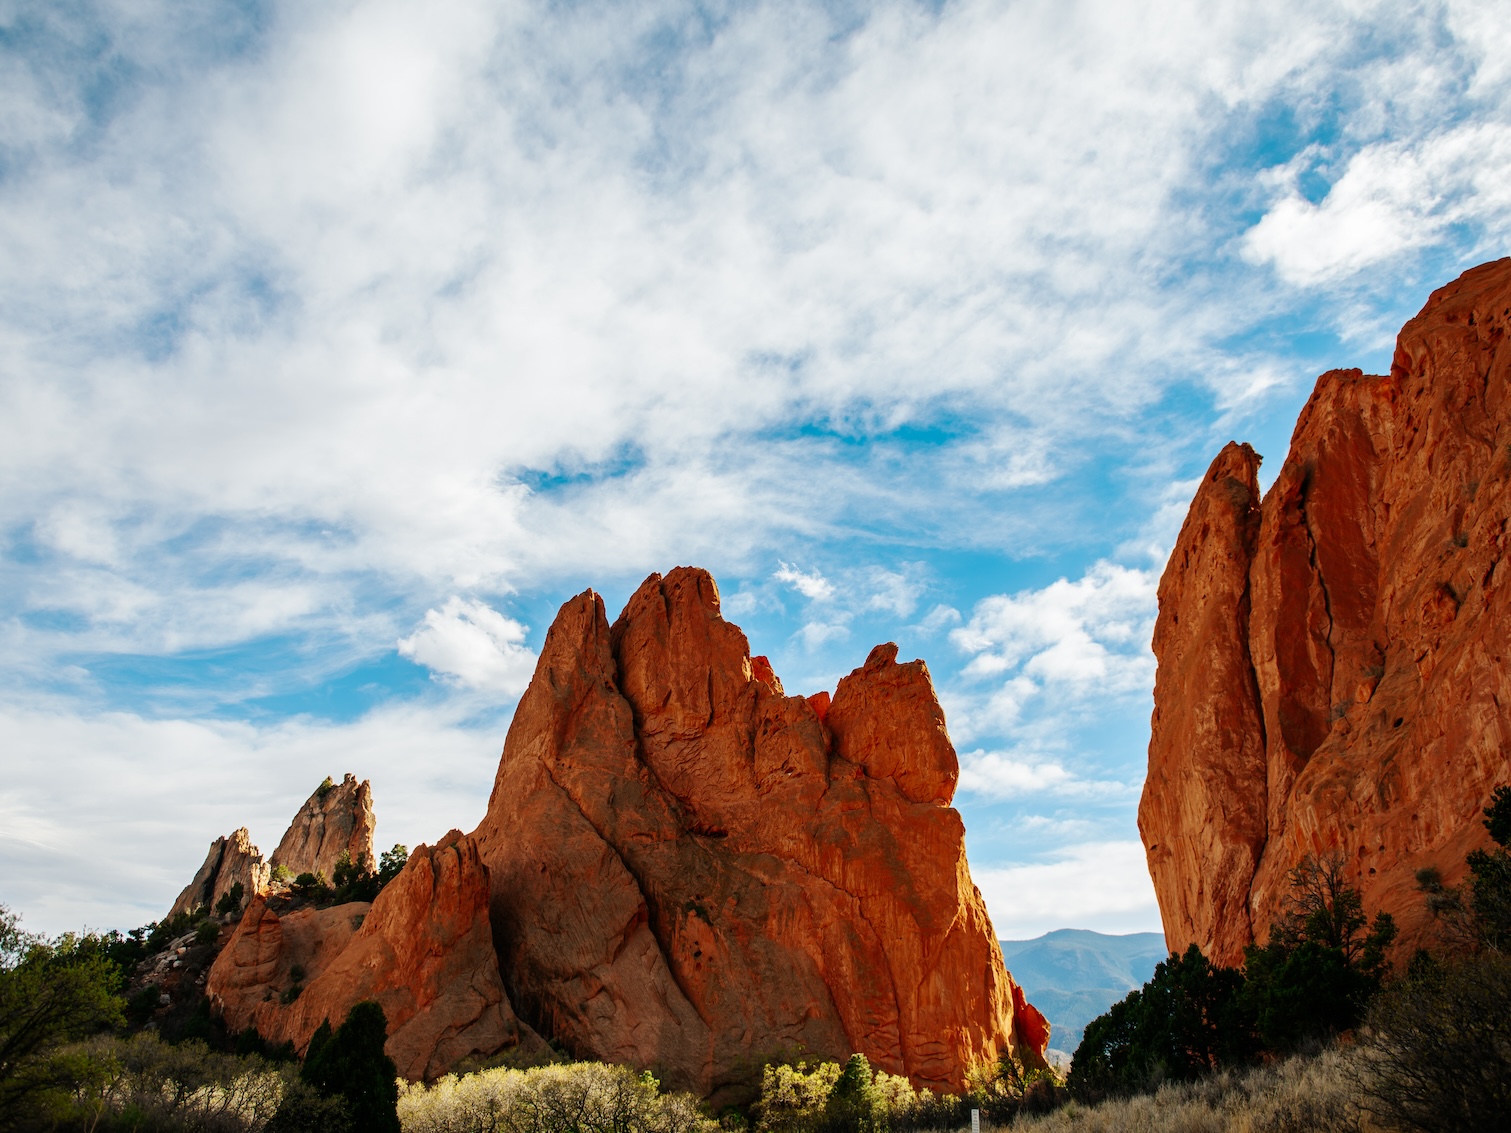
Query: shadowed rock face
point(423, 949)
point(693, 871)
point(231, 859)
point(1332, 670)
point(334, 820)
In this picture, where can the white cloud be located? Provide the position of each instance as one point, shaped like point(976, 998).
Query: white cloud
point(474, 644)
point(1093, 632)
point(104, 818)
point(1007, 775)
point(1392, 196)
point(1098, 885)
point(332, 299)
point(810, 584)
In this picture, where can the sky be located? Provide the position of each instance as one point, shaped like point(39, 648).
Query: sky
point(341, 343)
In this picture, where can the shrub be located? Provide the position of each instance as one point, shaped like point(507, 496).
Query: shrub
point(310, 886)
point(143, 1083)
point(280, 874)
point(1438, 1055)
point(326, 787)
point(587, 1097)
point(230, 900)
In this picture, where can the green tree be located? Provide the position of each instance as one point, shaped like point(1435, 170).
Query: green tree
point(1315, 976)
point(350, 1063)
point(51, 993)
point(853, 1101)
point(392, 863)
point(1187, 1020)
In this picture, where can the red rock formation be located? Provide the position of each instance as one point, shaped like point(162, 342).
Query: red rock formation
point(423, 949)
point(231, 859)
point(1335, 679)
point(693, 871)
point(336, 819)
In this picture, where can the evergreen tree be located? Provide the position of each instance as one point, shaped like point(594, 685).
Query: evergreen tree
point(350, 1063)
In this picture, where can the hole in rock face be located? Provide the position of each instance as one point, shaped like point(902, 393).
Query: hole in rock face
point(1399, 721)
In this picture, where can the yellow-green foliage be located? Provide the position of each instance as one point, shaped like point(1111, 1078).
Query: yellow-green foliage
point(804, 1099)
point(793, 1097)
point(589, 1097)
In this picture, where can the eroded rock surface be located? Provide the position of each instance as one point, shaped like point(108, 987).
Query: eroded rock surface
point(1332, 669)
point(334, 820)
point(231, 859)
point(693, 871)
point(423, 949)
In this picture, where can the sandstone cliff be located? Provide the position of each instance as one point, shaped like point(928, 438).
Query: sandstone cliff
point(231, 859)
point(1331, 659)
point(693, 871)
point(336, 819)
point(423, 949)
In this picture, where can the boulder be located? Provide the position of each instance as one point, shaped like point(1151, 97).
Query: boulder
point(695, 872)
point(231, 859)
point(423, 950)
point(1331, 670)
point(336, 819)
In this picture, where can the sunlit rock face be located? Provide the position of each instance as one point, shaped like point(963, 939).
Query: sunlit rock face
point(232, 860)
point(692, 870)
point(1332, 660)
point(335, 820)
point(423, 950)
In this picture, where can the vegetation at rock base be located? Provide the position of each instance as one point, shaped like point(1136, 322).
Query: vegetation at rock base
point(350, 1064)
point(51, 993)
point(590, 1097)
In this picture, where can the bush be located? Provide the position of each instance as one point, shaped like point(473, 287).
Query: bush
point(1438, 1055)
point(230, 900)
point(587, 1097)
point(310, 886)
point(392, 863)
point(143, 1083)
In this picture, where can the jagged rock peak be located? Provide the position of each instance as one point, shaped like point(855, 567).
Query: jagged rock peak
point(692, 870)
point(231, 860)
point(1332, 666)
point(423, 949)
point(337, 818)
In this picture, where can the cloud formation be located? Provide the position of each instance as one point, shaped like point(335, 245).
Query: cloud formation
point(473, 644)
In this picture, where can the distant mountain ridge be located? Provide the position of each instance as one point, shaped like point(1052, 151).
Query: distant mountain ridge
point(1073, 975)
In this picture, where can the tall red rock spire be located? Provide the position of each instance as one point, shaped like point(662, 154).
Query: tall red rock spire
point(1371, 626)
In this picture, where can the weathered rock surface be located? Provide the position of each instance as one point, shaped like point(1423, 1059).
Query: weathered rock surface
point(693, 871)
point(1332, 670)
point(231, 859)
point(334, 820)
point(423, 949)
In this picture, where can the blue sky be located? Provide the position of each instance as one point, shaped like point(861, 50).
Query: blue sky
point(342, 343)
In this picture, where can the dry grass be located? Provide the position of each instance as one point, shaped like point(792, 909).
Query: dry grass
point(1300, 1095)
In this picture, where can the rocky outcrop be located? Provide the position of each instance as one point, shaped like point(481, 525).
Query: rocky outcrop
point(231, 860)
point(336, 819)
point(423, 949)
point(1331, 667)
point(693, 871)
